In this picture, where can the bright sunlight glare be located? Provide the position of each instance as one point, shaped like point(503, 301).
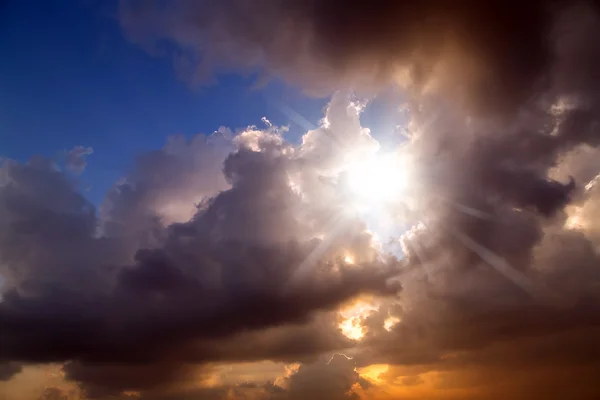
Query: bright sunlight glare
point(352, 318)
point(377, 179)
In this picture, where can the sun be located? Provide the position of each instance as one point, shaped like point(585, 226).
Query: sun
point(377, 179)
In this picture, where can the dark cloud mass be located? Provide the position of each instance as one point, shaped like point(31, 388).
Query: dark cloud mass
point(114, 303)
point(8, 369)
point(229, 248)
point(491, 55)
point(226, 267)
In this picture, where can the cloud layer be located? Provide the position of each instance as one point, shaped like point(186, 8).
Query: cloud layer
point(230, 248)
point(157, 295)
point(491, 56)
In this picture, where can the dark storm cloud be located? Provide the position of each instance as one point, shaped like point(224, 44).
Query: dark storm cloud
point(101, 381)
point(334, 378)
point(494, 55)
point(285, 343)
point(216, 287)
point(8, 370)
point(46, 231)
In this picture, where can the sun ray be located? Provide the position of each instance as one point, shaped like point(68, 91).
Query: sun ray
point(535, 289)
point(416, 246)
point(473, 212)
point(334, 229)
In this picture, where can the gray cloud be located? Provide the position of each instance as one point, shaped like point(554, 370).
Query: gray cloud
point(76, 158)
point(166, 185)
point(8, 370)
point(215, 287)
point(491, 56)
point(334, 380)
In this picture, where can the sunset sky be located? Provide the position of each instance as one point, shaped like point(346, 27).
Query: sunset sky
point(299, 200)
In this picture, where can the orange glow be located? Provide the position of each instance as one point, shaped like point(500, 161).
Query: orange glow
point(575, 220)
point(353, 316)
point(372, 372)
point(390, 322)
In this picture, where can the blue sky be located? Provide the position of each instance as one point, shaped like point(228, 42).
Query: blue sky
point(69, 77)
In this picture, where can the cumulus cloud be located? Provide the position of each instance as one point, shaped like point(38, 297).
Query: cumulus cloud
point(220, 285)
point(257, 272)
point(168, 183)
point(334, 379)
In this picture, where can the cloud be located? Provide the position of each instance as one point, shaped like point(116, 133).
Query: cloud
point(75, 159)
point(491, 57)
point(334, 380)
point(502, 117)
point(230, 247)
point(101, 381)
point(221, 285)
point(245, 274)
point(46, 229)
point(166, 185)
point(53, 393)
point(501, 263)
point(411, 380)
point(8, 370)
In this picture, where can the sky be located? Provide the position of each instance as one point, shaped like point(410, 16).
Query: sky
point(281, 200)
point(71, 78)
